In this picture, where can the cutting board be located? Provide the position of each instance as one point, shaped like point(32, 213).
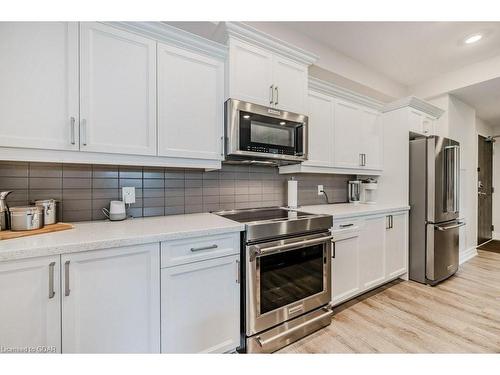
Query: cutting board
point(9, 234)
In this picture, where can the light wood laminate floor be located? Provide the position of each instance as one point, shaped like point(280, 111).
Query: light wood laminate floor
point(460, 315)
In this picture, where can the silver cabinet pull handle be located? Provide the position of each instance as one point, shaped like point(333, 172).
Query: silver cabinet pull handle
point(333, 249)
point(364, 160)
point(346, 225)
point(360, 160)
point(84, 132)
point(52, 293)
point(72, 129)
point(222, 146)
point(237, 271)
point(195, 249)
point(277, 95)
point(271, 94)
point(66, 279)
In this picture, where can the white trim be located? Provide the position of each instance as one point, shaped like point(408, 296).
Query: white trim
point(329, 88)
point(162, 32)
point(50, 156)
point(301, 168)
point(466, 255)
point(416, 103)
point(249, 34)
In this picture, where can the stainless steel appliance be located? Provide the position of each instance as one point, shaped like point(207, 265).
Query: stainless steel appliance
point(354, 191)
point(434, 201)
point(4, 211)
point(258, 134)
point(49, 210)
point(286, 276)
point(26, 218)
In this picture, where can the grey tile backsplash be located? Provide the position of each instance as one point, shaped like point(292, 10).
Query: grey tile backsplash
point(85, 189)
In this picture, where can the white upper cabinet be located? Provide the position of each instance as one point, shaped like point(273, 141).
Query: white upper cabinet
point(371, 138)
point(290, 85)
point(420, 122)
point(347, 135)
point(265, 70)
point(250, 73)
point(261, 77)
point(39, 85)
point(118, 91)
point(320, 134)
point(111, 300)
point(30, 312)
point(190, 105)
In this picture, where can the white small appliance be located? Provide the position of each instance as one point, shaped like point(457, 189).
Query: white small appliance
point(369, 191)
point(116, 211)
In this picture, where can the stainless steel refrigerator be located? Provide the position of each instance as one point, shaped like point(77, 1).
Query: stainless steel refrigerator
point(434, 212)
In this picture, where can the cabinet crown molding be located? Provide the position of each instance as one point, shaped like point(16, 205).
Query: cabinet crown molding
point(162, 32)
point(329, 88)
point(416, 103)
point(254, 36)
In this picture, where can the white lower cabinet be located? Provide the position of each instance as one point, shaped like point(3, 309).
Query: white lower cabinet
point(30, 310)
point(375, 252)
point(200, 295)
point(111, 300)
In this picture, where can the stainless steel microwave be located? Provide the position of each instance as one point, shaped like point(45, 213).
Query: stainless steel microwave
point(255, 133)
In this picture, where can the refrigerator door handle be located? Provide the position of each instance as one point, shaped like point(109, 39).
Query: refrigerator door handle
point(452, 179)
point(442, 229)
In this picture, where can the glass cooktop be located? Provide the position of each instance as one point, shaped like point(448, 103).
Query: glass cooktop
point(262, 214)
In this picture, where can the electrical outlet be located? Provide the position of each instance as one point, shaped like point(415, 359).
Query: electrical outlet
point(320, 189)
point(128, 194)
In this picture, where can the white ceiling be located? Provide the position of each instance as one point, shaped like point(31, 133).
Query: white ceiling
point(485, 98)
point(407, 52)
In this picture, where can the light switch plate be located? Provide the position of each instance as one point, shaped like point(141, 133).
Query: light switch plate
point(128, 194)
point(320, 189)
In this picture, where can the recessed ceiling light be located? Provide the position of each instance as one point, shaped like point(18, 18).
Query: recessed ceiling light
point(246, 116)
point(473, 38)
point(282, 123)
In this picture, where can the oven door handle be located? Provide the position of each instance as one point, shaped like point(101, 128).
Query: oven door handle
point(258, 251)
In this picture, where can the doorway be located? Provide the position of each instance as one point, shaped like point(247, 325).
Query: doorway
point(484, 189)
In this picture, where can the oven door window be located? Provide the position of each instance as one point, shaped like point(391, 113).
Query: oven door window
point(270, 135)
point(290, 276)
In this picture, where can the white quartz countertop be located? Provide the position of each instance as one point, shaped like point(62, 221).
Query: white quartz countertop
point(105, 234)
point(343, 210)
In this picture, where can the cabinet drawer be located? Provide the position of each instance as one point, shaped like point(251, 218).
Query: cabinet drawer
point(194, 249)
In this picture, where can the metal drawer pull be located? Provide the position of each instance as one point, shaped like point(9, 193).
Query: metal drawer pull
point(52, 293)
point(195, 249)
point(271, 94)
point(296, 328)
point(346, 225)
point(72, 125)
point(333, 249)
point(277, 94)
point(66, 278)
point(442, 229)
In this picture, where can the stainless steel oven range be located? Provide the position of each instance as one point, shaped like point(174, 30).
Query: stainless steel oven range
point(286, 276)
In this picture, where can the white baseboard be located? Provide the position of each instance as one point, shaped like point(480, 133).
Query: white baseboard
point(467, 254)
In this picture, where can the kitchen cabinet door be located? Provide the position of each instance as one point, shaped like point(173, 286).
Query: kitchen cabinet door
point(30, 313)
point(290, 85)
point(190, 104)
point(118, 91)
point(111, 301)
point(347, 135)
point(372, 252)
point(200, 306)
point(371, 138)
point(345, 270)
point(320, 134)
point(250, 73)
point(39, 85)
point(396, 245)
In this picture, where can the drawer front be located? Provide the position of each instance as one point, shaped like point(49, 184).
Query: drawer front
point(188, 250)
